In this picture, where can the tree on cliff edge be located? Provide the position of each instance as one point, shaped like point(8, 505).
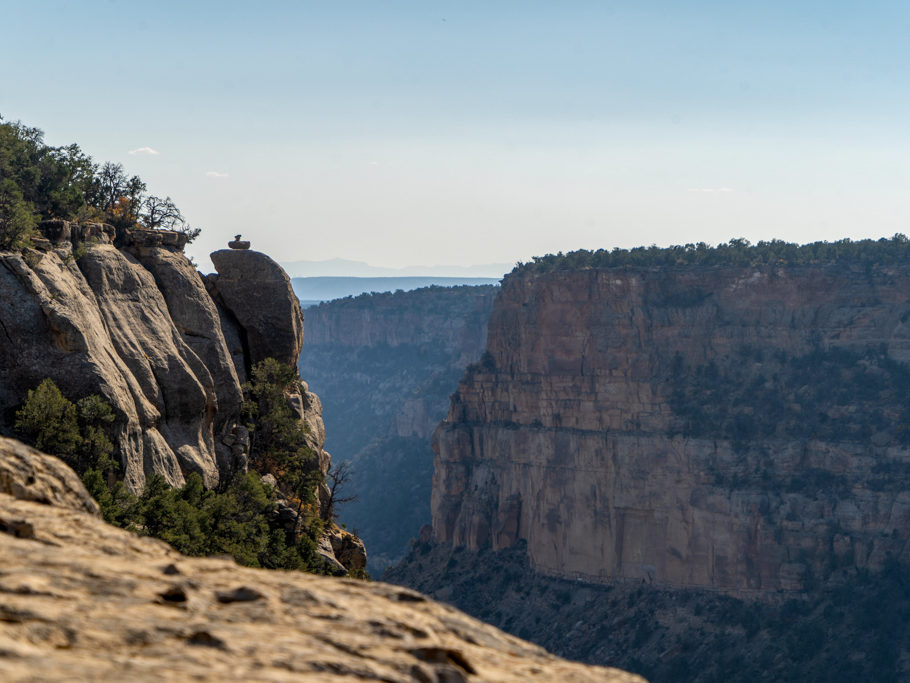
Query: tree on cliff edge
point(163, 214)
point(338, 478)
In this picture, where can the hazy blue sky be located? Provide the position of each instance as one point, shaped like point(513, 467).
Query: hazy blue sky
point(470, 132)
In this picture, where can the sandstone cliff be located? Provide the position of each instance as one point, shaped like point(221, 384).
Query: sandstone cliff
point(380, 353)
point(86, 601)
point(734, 428)
point(124, 314)
point(453, 318)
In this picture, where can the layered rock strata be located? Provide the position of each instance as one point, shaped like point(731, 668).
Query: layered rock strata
point(719, 427)
point(86, 601)
point(390, 357)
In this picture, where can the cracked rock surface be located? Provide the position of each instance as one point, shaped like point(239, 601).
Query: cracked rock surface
point(82, 600)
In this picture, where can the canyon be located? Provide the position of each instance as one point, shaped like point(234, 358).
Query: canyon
point(687, 470)
point(174, 397)
point(384, 366)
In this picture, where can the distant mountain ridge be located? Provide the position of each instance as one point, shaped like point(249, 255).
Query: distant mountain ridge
point(311, 290)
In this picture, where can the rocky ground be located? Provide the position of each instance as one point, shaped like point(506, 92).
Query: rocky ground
point(81, 600)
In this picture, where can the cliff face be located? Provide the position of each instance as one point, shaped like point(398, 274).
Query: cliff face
point(384, 366)
point(128, 317)
point(451, 319)
point(720, 427)
point(393, 358)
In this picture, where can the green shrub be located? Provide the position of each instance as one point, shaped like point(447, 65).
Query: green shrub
point(75, 433)
point(17, 221)
point(279, 443)
point(48, 421)
point(113, 497)
point(238, 519)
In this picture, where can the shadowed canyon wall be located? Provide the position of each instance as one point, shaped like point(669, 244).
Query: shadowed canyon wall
point(385, 366)
point(733, 428)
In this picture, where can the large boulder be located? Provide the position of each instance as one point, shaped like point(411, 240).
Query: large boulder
point(258, 292)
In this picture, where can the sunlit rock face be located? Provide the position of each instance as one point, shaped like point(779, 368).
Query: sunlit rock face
point(124, 314)
point(724, 427)
point(258, 292)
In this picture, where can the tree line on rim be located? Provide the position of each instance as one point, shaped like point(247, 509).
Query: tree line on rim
point(40, 182)
point(736, 252)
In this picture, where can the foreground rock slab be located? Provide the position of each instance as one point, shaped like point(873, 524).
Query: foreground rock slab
point(81, 600)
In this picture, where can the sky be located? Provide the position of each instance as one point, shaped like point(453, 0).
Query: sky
point(461, 133)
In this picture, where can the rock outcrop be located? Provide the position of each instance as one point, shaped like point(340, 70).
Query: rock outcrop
point(84, 600)
point(125, 315)
point(258, 293)
point(102, 326)
point(733, 428)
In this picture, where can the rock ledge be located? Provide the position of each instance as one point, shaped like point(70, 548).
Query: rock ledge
point(82, 600)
